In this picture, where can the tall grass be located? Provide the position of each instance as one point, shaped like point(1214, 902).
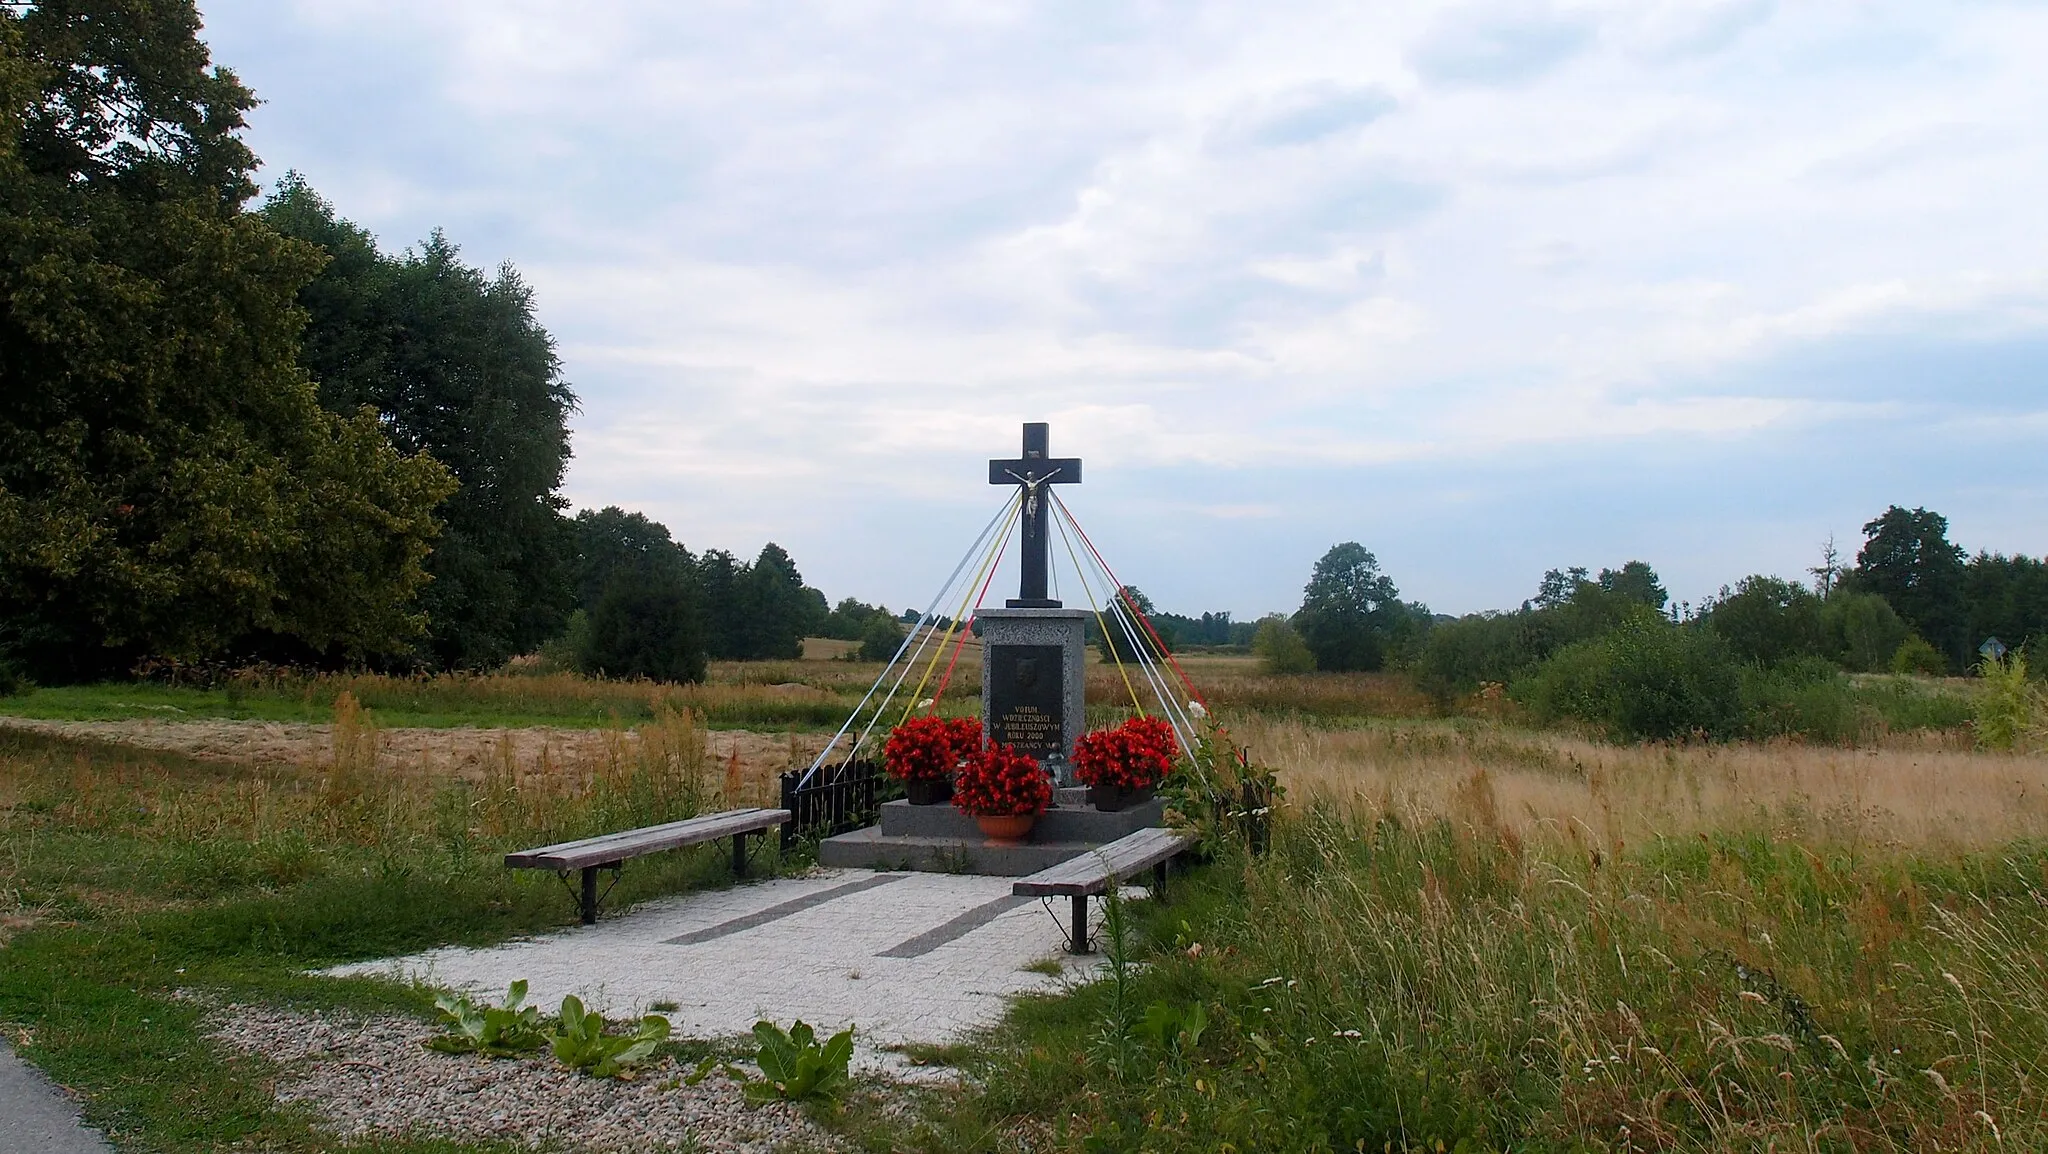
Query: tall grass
point(1382, 984)
point(1922, 790)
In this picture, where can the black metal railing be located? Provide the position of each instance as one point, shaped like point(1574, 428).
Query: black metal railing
point(837, 799)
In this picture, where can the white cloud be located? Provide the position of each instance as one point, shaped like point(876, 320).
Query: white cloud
point(827, 257)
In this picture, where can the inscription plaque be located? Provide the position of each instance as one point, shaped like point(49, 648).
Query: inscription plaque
point(1024, 699)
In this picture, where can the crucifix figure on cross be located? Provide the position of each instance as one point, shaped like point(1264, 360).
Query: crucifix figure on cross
point(1032, 472)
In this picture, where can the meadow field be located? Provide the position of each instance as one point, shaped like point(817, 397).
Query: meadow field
point(1470, 933)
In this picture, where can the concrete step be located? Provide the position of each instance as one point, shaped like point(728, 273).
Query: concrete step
point(1074, 820)
point(870, 848)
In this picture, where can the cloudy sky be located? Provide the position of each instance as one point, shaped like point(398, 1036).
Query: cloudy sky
point(1488, 288)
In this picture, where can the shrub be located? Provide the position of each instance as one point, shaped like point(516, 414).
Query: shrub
point(1915, 655)
point(1000, 782)
point(1647, 680)
point(1806, 697)
point(2007, 709)
point(1281, 648)
point(645, 625)
point(880, 641)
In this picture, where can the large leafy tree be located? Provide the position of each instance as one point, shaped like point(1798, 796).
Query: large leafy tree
point(1349, 610)
point(169, 484)
point(1907, 559)
point(1768, 620)
point(456, 364)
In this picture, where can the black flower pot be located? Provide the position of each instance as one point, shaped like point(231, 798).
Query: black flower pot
point(928, 792)
point(1112, 798)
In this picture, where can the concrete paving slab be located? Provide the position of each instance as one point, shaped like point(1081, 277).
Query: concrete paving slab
point(902, 957)
point(36, 1117)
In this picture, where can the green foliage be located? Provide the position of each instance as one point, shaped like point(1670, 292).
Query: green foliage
point(455, 365)
point(169, 484)
point(2009, 709)
point(1767, 620)
point(12, 681)
point(2007, 599)
point(580, 1043)
point(1458, 656)
point(881, 639)
point(1280, 648)
point(1117, 643)
point(1861, 631)
point(1173, 1030)
point(1647, 680)
point(645, 625)
point(610, 539)
point(1915, 655)
point(481, 1028)
point(795, 1067)
point(851, 619)
point(1805, 697)
point(1350, 611)
point(1907, 559)
point(1636, 582)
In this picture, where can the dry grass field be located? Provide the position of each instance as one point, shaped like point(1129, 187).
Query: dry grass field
point(1921, 791)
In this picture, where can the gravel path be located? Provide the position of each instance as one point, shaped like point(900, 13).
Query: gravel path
point(372, 1078)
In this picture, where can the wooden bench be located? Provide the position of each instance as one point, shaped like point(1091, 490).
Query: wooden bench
point(611, 851)
point(1095, 871)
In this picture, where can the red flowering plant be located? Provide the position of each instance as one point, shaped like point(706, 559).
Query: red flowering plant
point(920, 749)
point(930, 748)
point(1000, 782)
point(1135, 755)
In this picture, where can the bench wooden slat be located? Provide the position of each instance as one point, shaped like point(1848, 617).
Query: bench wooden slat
point(614, 847)
point(1091, 872)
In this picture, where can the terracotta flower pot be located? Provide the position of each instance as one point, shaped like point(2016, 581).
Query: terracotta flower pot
point(929, 792)
point(1008, 827)
point(1113, 798)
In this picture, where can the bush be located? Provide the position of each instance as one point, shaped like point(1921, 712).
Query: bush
point(1807, 697)
point(880, 641)
point(1647, 680)
point(644, 626)
point(1915, 655)
point(1280, 648)
point(2007, 710)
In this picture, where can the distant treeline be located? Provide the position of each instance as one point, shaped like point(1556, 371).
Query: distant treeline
point(1765, 656)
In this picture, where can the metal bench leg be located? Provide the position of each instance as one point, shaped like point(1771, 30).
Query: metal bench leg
point(590, 895)
point(1080, 943)
point(739, 854)
point(1159, 882)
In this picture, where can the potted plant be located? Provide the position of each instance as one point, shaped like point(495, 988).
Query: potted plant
point(1121, 766)
point(923, 753)
point(1003, 791)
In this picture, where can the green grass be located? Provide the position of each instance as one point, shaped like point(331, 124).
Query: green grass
point(1369, 986)
point(138, 876)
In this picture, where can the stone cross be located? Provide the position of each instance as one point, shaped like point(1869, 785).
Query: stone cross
point(1032, 472)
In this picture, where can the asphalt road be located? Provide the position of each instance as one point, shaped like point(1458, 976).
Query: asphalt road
point(36, 1117)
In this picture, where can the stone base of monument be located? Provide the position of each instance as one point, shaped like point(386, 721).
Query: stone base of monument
point(941, 839)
